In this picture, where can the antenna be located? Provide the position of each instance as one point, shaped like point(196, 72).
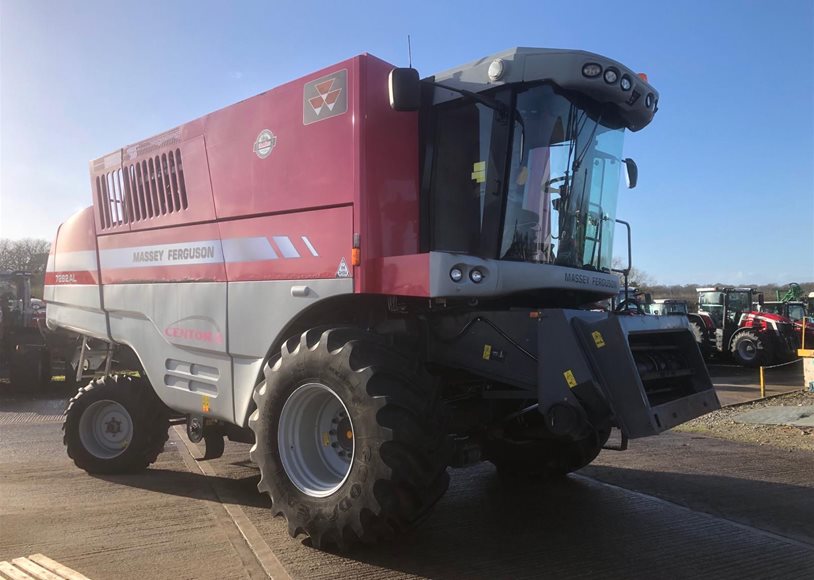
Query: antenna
point(409, 52)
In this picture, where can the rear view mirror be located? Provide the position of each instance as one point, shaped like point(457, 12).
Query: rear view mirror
point(631, 173)
point(760, 298)
point(405, 89)
point(648, 298)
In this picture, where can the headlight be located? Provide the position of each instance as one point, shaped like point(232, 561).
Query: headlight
point(625, 83)
point(476, 276)
point(591, 70)
point(611, 76)
point(456, 274)
point(648, 100)
point(496, 69)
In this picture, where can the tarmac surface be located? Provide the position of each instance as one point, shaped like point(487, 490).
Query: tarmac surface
point(735, 384)
point(674, 506)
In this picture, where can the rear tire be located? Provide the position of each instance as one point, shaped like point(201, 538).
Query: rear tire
point(542, 459)
point(750, 349)
point(116, 424)
point(698, 334)
point(349, 438)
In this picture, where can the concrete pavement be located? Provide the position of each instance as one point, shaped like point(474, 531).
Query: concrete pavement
point(674, 506)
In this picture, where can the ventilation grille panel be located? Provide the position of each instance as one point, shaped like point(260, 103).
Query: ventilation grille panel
point(142, 190)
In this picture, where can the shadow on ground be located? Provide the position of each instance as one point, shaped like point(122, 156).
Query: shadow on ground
point(195, 485)
point(570, 528)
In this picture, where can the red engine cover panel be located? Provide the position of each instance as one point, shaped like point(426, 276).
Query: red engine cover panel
point(264, 159)
point(323, 159)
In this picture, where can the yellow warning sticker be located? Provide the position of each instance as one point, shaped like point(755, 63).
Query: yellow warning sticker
point(598, 340)
point(479, 171)
point(487, 351)
point(205, 404)
point(569, 378)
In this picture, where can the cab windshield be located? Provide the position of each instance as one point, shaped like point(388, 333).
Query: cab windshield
point(563, 184)
point(797, 312)
point(531, 175)
point(667, 308)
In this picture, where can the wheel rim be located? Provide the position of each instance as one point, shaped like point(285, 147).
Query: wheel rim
point(747, 349)
point(105, 429)
point(315, 440)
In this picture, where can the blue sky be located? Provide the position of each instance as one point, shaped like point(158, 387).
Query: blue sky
point(726, 187)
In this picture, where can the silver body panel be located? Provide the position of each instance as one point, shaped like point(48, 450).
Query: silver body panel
point(201, 344)
point(502, 277)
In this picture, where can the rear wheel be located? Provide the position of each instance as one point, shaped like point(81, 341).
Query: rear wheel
point(539, 459)
point(751, 349)
point(116, 424)
point(349, 438)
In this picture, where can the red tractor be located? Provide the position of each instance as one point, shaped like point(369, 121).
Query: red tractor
point(372, 277)
point(751, 337)
point(792, 306)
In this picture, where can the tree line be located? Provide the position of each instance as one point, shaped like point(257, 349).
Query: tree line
point(26, 255)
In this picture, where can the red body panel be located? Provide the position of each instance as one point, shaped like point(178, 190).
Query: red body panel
point(287, 245)
point(757, 319)
point(400, 275)
point(73, 260)
point(389, 184)
point(80, 277)
point(77, 234)
point(275, 187)
point(118, 256)
point(310, 166)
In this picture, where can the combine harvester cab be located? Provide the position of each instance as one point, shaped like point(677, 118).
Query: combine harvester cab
point(372, 277)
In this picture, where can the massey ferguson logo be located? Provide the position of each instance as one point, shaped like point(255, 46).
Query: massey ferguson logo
point(264, 143)
point(325, 97)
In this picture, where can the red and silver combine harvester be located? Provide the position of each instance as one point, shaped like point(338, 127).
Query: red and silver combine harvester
point(373, 277)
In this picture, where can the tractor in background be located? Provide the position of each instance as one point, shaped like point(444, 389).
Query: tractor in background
point(30, 353)
point(667, 306)
point(701, 324)
point(23, 351)
point(792, 307)
point(751, 337)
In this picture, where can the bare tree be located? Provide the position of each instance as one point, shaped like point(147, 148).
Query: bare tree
point(27, 254)
point(636, 278)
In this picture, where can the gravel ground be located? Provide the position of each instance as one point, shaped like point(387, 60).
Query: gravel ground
point(722, 424)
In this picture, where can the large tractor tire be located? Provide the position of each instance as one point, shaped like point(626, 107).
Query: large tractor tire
point(350, 440)
point(116, 424)
point(699, 335)
point(542, 459)
point(751, 349)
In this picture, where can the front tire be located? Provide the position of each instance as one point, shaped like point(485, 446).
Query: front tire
point(750, 349)
point(700, 337)
point(116, 424)
point(349, 438)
